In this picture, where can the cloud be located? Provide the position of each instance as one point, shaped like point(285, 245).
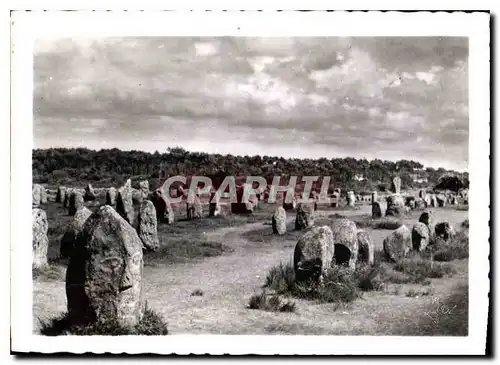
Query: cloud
point(388, 98)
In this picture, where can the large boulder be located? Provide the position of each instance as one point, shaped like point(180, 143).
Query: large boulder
point(124, 203)
point(366, 249)
point(147, 229)
point(75, 202)
point(89, 193)
point(313, 254)
point(40, 240)
point(61, 194)
point(397, 244)
point(73, 230)
point(345, 236)
point(304, 218)
point(111, 196)
point(279, 221)
point(376, 210)
point(104, 275)
point(420, 236)
point(444, 230)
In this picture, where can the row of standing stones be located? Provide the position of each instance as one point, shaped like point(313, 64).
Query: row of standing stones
point(345, 244)
point(105, 249)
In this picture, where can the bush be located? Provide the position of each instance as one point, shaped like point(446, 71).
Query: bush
point(457, 248)
point(270, 303)
point(369, 277)
point(418, 269)
point(281, 278)
point(339, 285)
point(152, 324)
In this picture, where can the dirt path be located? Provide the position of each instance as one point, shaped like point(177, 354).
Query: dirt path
point(228, 281)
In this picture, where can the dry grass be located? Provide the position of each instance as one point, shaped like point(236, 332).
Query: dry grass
point(442, 317)
point(151, 324)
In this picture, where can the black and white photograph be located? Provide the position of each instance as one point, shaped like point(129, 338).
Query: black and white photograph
point(233, 180)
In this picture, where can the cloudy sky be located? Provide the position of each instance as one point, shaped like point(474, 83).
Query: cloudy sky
point(387, 98)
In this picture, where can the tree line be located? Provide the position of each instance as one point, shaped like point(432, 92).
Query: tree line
point(110, 167)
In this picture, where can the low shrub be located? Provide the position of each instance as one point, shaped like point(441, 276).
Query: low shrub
point(270, 303)
point(152, 324)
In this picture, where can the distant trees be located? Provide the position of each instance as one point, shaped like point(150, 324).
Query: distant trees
point(111, 166)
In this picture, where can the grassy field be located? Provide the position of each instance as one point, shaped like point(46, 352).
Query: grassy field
point(209, 276)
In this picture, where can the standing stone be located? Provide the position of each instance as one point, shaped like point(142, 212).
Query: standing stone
point(40, 242)
point(366, 250)
point(104, 276)
point(376, 210)
point(397, 244)
point(69, 238)
point(124, 203)
point(305, 216)
point(421, 194)
point(160, 204)
point(136, 196)
point(169, 215)
point(67, 197)
point(434, 202)
point(420, 236)
point(89, 193)
point(441, 200)
point(214, 208)
point(36, 195)
point(396, 185)
point(374, 197)
point(426, 218)
point(420, 203)
point(144, 188)
point(43, 195)
point(279, 221)
point(345, 236)
point(148, 232)
point(395, 206)
point(111, 196)
point(75, 202)
point(313, 254)
point(444, 230)
point(194, 208)
point(351, 199)
point(61, 194)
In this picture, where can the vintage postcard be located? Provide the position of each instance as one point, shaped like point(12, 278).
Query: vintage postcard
point(306, 181)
